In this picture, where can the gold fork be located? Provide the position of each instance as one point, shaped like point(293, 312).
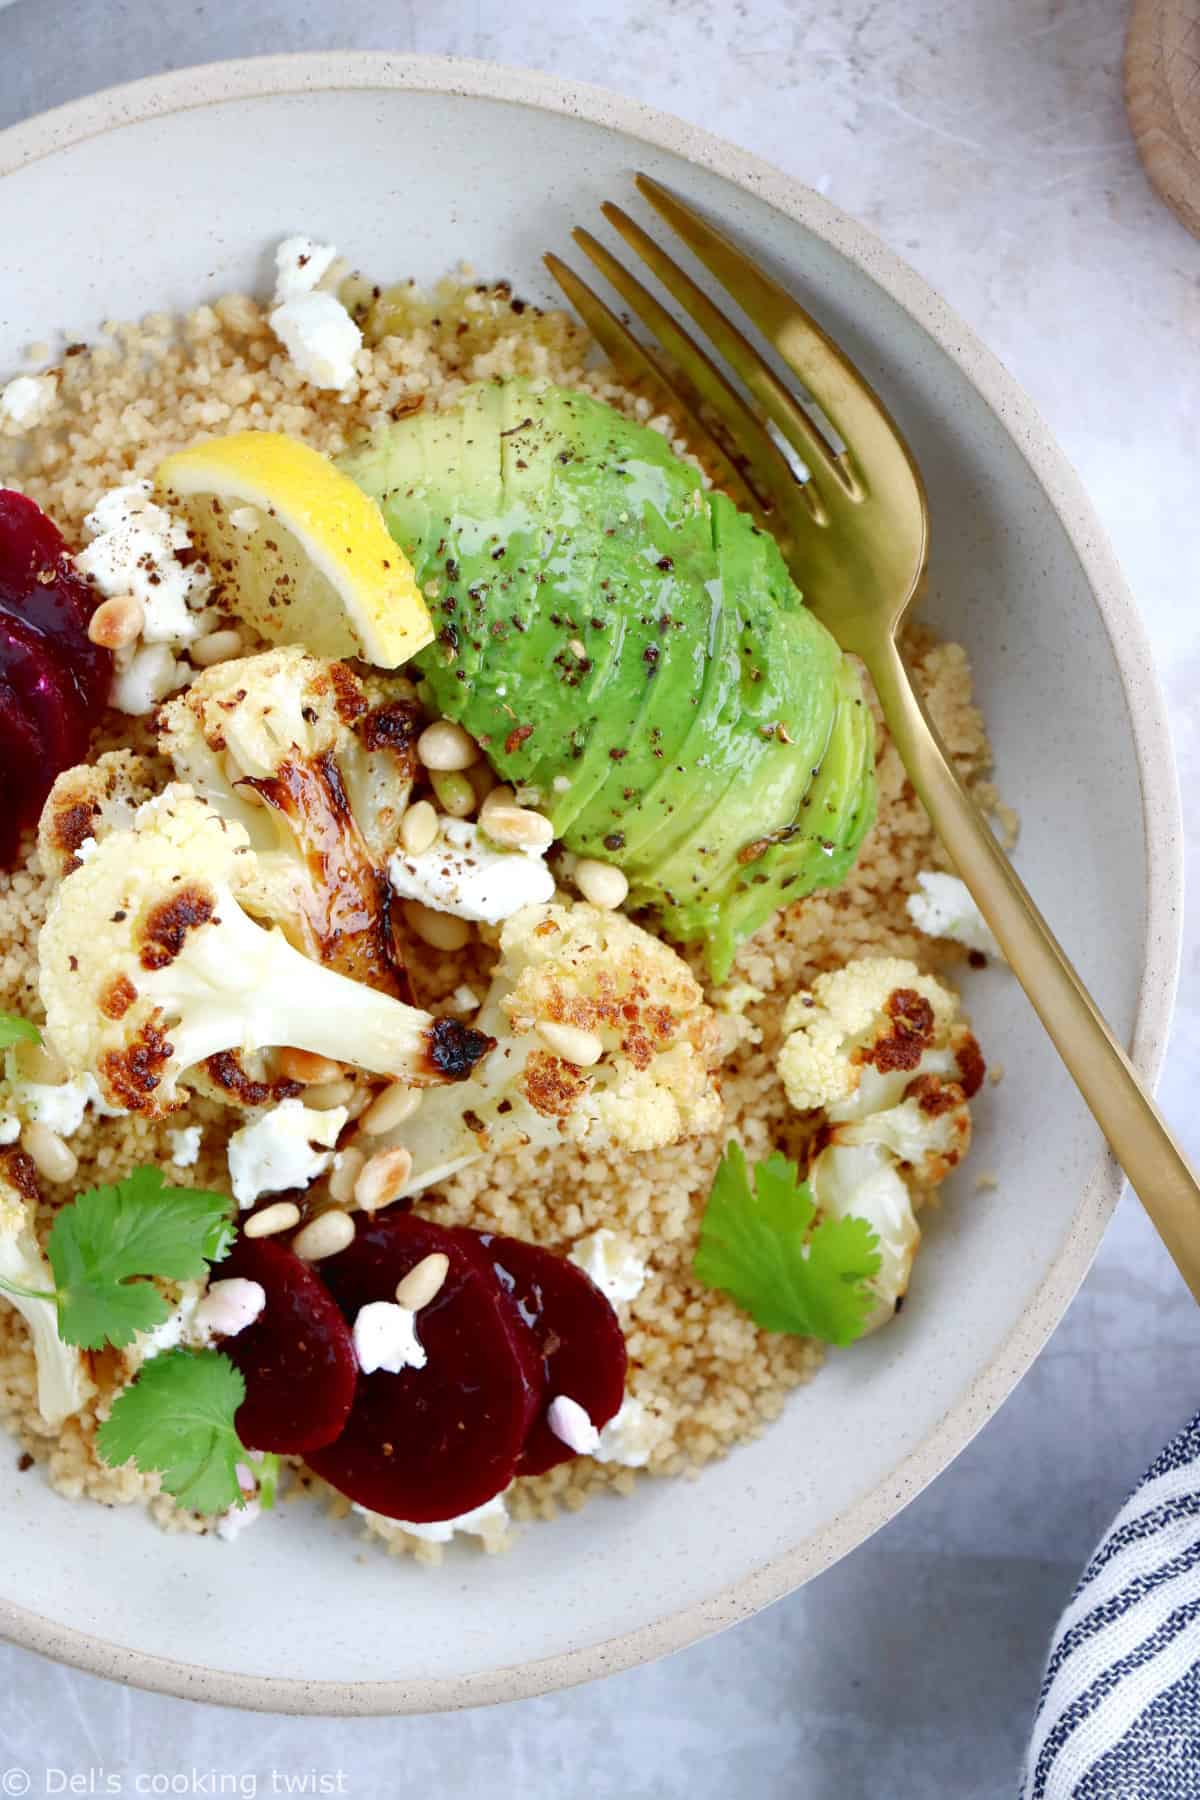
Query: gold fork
point(856, 534)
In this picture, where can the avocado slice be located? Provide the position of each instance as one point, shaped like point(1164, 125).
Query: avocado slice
point(629, 646)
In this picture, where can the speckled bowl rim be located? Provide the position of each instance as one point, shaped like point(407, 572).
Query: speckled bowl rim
point(180, 91)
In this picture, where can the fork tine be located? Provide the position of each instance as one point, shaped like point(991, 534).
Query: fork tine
point(853, 408)
point(766, 468)
point(800, 431)
point(641, 371)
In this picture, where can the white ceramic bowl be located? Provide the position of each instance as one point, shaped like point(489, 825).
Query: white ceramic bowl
point(170, 190)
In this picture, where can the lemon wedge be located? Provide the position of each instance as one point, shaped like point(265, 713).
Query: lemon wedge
point(302, 553)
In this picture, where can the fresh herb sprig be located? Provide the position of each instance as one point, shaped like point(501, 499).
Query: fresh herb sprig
point(14, 1030)
point(178, 1418)
point(758, 1244)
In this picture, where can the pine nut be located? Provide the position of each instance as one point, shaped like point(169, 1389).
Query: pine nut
point(52, 1155)
point(423, 1281)
point(37, 1062)
point(601, 883)
point(390, 1108)
point(215, 647)
point(279, 1217)
point(419, 828)
point(516, 827)
point(455, 795)
point(445, 745)
point(118, 622)
point(347, 1167)
point(304, 1066)
point(443, 931)
point(328, 1094)
point(382, 1179)
point(572, 1042)
point(325, 1235)
point(482, 778)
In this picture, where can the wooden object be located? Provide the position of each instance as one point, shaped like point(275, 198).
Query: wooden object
point(1162, 94)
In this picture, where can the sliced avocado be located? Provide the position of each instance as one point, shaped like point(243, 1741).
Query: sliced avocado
point(632, 648)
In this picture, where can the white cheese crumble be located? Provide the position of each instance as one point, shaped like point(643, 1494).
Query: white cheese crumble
point(28, 400)
point(488, 1521)
point(278, 1149)
point(134, 550)
point(629, 1436)
point(185, 1145)
point(144, 678)
point(571, 1425)
point(179, 1327)
point(942, 907)
point(300, 264)
point(461, 873)
point(385, 1337)
point(613, 1264)
point(229, 1307)
point(58, 1105)
point(321, 339)
point(10, 1129)
point(231, 1524)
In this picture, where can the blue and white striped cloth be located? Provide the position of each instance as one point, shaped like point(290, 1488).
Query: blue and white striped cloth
point(1118, 1715)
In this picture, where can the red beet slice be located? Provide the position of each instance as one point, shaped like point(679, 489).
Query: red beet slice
point(298, 1356)
point(577, 1331)
point(19, 771)
point(40, 584)
point(435, 1442)
point(32, 666)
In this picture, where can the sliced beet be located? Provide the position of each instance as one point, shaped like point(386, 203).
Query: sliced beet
point(20, 772)
point(435, 1442)
point(40, 584)
point(298, 1356)
point(578, 1334)
point(33, 667)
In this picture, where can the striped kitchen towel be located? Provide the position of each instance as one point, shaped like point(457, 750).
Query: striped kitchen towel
point(1118, 1716)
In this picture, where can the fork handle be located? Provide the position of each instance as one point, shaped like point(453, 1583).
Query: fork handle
point(1122, 1107)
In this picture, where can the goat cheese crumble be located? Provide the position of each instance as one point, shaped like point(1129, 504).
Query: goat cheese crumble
point(28, 400)
point(629, 1436)
point(488, 1522)
point(612, 1263)
point(385, 1337)
point(463, 874)
point(228, 1307)
point(571, 1425)
point(135, 550)
point(943, 907)
point(279, 1149)
point(315, 329)
point(185, 1145)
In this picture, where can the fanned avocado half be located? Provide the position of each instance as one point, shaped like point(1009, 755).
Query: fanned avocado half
point(631, 646)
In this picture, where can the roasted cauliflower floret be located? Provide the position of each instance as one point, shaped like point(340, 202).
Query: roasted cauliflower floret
point(602, 1034)
point(149, 966)
point(879, 1049)
point(63, 1383)
point(316, 768)
point(87, 802)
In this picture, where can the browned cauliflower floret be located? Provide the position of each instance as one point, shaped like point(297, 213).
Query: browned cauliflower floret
point(88, 801)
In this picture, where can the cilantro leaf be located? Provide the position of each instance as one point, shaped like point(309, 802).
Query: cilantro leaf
point(266, 1471)
point(111, 1235)
point(756, 1245)
point(177, 1417)
point(17, 1031)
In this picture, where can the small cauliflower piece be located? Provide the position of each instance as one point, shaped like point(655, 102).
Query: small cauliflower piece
point(576, 978)
point(149, 966)
point(87, 802)
point(879, 1048)
point(278, 1150)
point(944, 907)
point(316, 767)
point(462, 873)
point(63, 1383)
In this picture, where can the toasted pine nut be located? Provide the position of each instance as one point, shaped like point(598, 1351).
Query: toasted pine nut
point(37, 1062)
point(419, 828)
point(52, 1155)
point(382, 1179)
point(280, 1217)
point(601, 883)
point(572, 1042)
point(325, 1235)
point(347, 1166)
point(215, 647)
point(455, 795)
point(445, 745)
point(443, 931)
point(305, 1066)
point(390, 1108)
point(118, 622)
point(516, 826)
point(328, 1094)
point(423, 1281)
